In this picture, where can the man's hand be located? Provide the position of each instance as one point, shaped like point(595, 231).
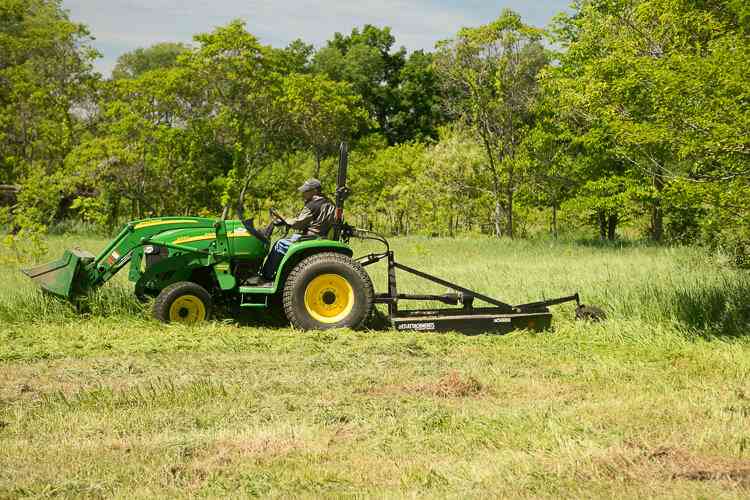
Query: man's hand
point(278, 220)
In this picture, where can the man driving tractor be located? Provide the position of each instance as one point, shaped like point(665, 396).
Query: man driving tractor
point(314, 221)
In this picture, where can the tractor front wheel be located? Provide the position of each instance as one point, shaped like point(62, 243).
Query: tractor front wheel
point(327, 290)
point(183, 302)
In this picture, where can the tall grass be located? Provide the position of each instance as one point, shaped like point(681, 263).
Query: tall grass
point(681, 288)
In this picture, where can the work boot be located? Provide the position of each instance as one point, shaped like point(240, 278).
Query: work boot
point(258, 281)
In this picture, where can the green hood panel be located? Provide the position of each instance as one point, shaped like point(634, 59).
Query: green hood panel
point(240, 242)
point(199, 237)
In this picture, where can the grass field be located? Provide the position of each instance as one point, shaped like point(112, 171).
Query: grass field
point(654, 402)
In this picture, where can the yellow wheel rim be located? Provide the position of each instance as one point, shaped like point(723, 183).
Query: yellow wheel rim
point(187, 309)
point(329, 298)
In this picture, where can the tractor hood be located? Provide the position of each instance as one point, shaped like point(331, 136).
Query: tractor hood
point(240, 242)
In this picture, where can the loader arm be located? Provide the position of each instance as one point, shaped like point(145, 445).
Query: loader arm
point(137, 234)
point(79, 272)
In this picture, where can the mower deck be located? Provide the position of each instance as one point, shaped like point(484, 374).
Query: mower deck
point(473, 322)
point(500, 318)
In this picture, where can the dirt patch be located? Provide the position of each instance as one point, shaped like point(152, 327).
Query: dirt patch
point(450, 385)
point(637, 463)
point(453, 385)
point(681, 464)
point(227, 451)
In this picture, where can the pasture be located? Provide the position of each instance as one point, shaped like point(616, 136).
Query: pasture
point(654, 402)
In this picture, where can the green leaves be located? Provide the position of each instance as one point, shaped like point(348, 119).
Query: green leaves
point(490, 73)
point(642, 119)
point(665, 82)
point(136, 63)
point(46, 84)
point(321, 112)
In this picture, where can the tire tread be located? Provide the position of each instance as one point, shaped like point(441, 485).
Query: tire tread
point(321, 258)
point(165, 298)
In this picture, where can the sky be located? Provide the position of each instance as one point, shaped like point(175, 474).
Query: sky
point(120, 26)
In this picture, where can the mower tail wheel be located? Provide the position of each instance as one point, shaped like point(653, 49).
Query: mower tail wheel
point(328, 290)
point(183, 302)
point(590, 313)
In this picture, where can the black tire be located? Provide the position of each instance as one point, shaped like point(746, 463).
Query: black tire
point(192, 303)
point(327, 290)
point(590, 313)
point(142, 295)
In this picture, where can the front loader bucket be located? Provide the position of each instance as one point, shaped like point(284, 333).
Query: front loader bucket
point(65, 277)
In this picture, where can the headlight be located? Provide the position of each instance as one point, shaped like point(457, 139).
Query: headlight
point(149, 249)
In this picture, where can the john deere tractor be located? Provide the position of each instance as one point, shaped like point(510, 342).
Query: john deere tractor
point(190, 264)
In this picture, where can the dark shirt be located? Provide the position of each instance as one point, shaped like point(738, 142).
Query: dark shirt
point(316, 218)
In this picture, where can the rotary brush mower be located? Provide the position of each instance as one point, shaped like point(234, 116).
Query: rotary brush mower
point(190, 264)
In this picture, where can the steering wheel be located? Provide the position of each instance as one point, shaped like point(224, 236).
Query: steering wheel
point(277, 216)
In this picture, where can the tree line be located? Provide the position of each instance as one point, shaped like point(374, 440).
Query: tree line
point(623, 116)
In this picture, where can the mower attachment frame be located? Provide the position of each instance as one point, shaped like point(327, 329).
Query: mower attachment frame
point(501, 318)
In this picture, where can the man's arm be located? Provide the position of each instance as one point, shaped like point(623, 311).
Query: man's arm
point(302, 221)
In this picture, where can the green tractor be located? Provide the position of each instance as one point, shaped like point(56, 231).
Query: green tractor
point(190, 264)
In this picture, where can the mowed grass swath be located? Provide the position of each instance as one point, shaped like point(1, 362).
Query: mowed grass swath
point(653, 402)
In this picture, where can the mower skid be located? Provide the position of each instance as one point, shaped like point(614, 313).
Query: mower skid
point(471, 323)
point(63, 277)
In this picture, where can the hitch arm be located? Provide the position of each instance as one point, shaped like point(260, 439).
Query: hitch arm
point(551, 302)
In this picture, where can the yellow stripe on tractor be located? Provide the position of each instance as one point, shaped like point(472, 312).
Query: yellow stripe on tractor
point(160, 222)
point(239, 234)
point(190, 239)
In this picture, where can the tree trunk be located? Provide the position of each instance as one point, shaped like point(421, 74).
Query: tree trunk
point(612, 227)
point(657, 215)
point(497, 216)
point(602, 225)
point(496, 186)
point(317, 164)
point(509, 215)
point(554, 220)
point(114, 212)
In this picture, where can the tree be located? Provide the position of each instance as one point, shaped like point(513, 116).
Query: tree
point(322, 112)
point(418, 112)
point(240, 91)
point(665, 77)
point(550, 178)
point(172, 140)
point(46, 89)
point(294, 58)
point(136, 63)
point(365, 59)
point(141, 153)
point(384, 182)
point(491, 77)
point(45, 76)
point(452, 194)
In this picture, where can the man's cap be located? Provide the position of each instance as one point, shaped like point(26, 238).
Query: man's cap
point(309, 185)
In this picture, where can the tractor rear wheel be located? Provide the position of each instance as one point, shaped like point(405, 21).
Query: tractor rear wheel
point(327, 290)
point(183, 302)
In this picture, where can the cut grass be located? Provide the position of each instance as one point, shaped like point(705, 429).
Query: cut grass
point(653, 402)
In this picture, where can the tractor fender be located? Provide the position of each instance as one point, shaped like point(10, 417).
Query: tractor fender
point(303, 249)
